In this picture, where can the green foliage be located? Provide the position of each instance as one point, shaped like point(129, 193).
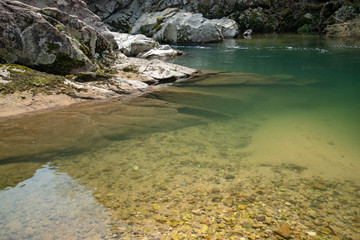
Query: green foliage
point(305, 29)
point(131, 68)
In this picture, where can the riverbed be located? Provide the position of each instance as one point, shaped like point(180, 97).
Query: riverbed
point(263, 144)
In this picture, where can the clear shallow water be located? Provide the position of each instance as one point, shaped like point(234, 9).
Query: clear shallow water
point(275, 130)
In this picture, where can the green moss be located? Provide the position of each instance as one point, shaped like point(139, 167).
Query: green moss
point(44, 11)
point(157, 27)
point(85, 49)
point(131, 68)
point(52, 47)
point(26, 79)
point(91, 77)
point(144, 31)
point(62, 65)
point(60, 27)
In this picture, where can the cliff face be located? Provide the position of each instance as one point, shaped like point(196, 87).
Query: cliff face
point(259, 15)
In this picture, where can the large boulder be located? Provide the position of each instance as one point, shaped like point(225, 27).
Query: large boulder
point(49, 39)
point(256, 19)
point(132, 45)
point(122, 14)
point(186, 28)
point(119, 15)
point(259, 15)
point(175, 27)
point(143, 47)
point(149, 23)
point(77, 8)
point(228, 27)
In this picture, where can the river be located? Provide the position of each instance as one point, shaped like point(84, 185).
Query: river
point(268, 138)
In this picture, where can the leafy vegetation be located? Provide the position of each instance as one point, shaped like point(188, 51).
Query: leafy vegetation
point(305, 29)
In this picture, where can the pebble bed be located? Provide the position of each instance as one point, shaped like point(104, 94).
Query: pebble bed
point(172, 186)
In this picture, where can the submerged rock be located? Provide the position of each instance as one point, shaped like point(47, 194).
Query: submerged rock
point(284, 231)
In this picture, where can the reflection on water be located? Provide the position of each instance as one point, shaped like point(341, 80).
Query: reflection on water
point(51, 205)
point(267, 149)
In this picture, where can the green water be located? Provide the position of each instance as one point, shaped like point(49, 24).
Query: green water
point(271, 129)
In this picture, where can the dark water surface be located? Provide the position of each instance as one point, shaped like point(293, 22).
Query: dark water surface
point(272, 131)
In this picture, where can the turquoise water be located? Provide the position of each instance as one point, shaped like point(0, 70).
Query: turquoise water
point(272, 125)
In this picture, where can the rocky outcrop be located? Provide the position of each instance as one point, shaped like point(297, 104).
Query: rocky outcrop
point(346, 29)
point(228, 27)
point(77, 8)
point(23, 89)
point(132, 45)
point(175, 27)
point(155, 71)
point(49, 39)
point(185, 28)
point(259, 15)
point(143, 47)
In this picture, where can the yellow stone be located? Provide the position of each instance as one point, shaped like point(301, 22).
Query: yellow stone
point(187, 217)
point(242, 207)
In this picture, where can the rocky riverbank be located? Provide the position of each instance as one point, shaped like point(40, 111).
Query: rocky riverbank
point(25, 90)
point(89, 61)
point(260, 16)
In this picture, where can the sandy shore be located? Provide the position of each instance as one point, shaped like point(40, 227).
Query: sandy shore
point(20, 103)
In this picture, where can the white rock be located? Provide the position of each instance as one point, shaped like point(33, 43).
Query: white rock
point(311, 233)
point(132, 45)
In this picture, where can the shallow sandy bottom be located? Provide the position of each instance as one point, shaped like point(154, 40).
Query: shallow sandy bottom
point(215, 181)
point(20, 103)
point(311, 140)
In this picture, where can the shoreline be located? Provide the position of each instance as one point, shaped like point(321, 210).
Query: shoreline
point(132, 78)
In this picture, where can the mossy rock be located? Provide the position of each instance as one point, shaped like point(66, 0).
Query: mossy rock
point(62, 65)
point(92, 76)
point(22, 78)
point(131, 68)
